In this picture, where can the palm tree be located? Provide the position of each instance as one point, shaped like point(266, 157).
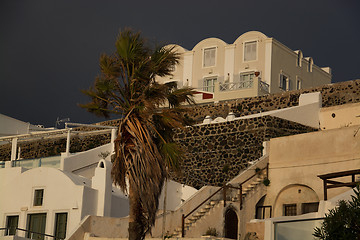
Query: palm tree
point(144, 148)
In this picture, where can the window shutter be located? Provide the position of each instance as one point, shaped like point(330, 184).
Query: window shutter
point(200, 84)
point(280, 81)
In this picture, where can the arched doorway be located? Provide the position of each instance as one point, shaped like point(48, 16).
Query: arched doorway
point(231, 224)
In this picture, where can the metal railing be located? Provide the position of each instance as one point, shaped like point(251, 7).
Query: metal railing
point(264, 86)
point(30, 234)
point(236, 85)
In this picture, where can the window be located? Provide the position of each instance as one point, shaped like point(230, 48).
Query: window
point(284, 82)
point(60, 225)
point(299, 59)
point(209, 57)
point(38, 197)
point(289, 209)
point(310, 65)
point(309, 207)
point(36, 226)
point(209, 84)
point(298, 84)
point(250, 51)
point(11, 225)
point(248, 76)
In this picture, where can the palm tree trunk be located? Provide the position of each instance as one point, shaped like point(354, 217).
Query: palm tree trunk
point(136, 228)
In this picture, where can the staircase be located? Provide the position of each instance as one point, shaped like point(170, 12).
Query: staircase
point(191, 221)
point(235, 192)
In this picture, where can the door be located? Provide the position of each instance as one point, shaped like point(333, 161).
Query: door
point(231, 224)
point(12, 224)
point(60, 225)
point(36, 226)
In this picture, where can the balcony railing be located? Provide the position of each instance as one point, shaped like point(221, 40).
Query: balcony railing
point(264, 86)
point(236, 85)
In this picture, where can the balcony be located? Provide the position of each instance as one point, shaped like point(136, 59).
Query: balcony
point(232, 90)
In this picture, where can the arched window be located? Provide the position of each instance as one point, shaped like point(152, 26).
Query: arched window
point(299, 58)
point(310, 65)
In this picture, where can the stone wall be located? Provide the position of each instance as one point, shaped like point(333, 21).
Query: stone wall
point(332, 95)
point(216, 153)
point(54, 146)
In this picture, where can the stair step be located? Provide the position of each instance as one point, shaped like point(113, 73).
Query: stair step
point(207, 206)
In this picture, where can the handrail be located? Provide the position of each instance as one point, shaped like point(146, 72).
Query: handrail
point(25, 230)
point(224, 187)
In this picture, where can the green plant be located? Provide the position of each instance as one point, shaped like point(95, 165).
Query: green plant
point(211, 232)
point(257, 170)
point(342, 222)
point(266, 182)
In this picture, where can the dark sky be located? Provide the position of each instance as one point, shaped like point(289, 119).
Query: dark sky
point(49, 49)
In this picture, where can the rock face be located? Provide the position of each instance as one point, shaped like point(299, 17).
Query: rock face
point(216, 153)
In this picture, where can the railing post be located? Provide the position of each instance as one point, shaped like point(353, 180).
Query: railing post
point(68, 143)
point(325, 189)
point(267, 170)
point(224, 195)
point(13, 149)
point(241, 197)
point(182, 225)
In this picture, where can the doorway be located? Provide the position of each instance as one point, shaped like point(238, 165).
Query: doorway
point(36, 225)
point(231, 224)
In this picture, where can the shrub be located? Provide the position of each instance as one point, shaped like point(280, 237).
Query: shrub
point(342, 222)
point(211, 232)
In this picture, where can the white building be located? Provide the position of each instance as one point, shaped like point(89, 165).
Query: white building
point(253, 65)
point(51, 196)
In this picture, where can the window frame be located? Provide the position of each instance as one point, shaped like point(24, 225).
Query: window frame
point(281, 83)
point(309, 203)
point(298, 83)
point(256, 50)
point(203, 56)
point(56, 223)
point(8, 230)
point(214, 80)
point(299, 58)
point(290, 205)
point(247, 73)
point(29, 224)
point(310, 65)
point(34, 199)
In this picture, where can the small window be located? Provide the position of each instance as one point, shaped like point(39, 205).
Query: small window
point(299, 58)
point(209, 57)
point(250, 51)
point(11, 225)
point(298, 84)
point(284, 82)
point(209, 84)
point(38, 197)
point(310, 65)
point(289, 209)
point(60, 225)
point(309, 207)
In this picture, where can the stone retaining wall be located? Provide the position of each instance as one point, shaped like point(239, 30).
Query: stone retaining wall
point(332, 95)
point(216, 153)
